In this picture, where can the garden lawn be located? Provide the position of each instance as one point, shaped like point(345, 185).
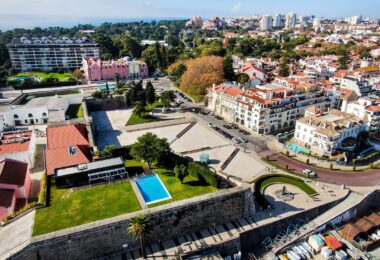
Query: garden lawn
point(146, 117)
point(180, 191)
point(75, 111)
point(69, 209)
point(62, 77)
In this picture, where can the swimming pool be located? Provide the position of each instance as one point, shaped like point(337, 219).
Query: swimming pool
point(152, 189)
point(103, 86)
point(20, 78)
point(297, 149)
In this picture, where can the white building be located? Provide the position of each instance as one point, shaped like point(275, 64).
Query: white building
point(267, 109)
point(266, 23)
point(358, 84)
point(37, 111)
point(325, 133)
point(222, 100)
point(366, 108)
point(290, 21)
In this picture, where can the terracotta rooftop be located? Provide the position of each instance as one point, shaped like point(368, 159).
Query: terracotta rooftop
point(16, 147)
point(13, 172)
point(67, 146)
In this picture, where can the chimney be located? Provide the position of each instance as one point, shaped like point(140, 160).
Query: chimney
point(213, 87)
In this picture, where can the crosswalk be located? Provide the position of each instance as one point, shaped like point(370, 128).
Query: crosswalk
point(192, 241)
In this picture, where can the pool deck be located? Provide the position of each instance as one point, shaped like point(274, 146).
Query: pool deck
point(138, 194)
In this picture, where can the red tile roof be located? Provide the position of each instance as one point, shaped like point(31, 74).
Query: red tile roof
point(59, 140)
point(64, 136)
point(14, 147)
point(6, 197)
point(13, 172)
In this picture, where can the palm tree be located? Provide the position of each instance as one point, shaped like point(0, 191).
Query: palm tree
point(138, 226)
point(116, 77)
point(138, 109)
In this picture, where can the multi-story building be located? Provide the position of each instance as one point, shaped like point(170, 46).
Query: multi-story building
point(270, 108)
point(277, 21)
point(358, 84)
point(222, 100)
point(266, 23)
point(95, 69)
point(366, 108)
point(328, 132)
point(290, 21)
point(48, 53)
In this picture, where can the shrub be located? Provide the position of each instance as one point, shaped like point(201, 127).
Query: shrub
point(203, 174)
point(42, 193)
point(307, 161)
point(180, 172)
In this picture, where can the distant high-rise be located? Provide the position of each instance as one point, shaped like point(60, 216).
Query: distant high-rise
point(47, 53)
point(277, 21)
point(356, 19)
point(316, 22)
point(266, 23)
point(291, 20)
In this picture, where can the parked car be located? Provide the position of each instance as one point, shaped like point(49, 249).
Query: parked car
point(243, 140)
point(211, 125)
point(227, 126)
point(310, 173)
point(235, 140)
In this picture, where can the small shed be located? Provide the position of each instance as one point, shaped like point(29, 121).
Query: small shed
point(204, 158)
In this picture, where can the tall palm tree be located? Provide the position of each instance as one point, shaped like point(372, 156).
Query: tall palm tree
point(116, 77)
point(138, 109)
point(138, 226)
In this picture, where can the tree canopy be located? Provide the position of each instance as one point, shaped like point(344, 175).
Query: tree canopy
point(150, 148)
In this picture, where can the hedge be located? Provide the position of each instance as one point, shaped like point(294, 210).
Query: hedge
point(203, 173)
point(42, 193)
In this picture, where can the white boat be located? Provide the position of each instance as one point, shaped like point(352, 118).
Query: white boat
point(304, 251)
point(308, 248)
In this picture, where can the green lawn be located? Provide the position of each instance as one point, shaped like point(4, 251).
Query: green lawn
point(75, 111)
point(180, 191)
point(69, 209)
point(265, 180)
point(62, 77)
point(145, 117)
point(177, 190)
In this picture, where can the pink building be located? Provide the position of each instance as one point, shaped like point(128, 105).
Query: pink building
point(15, 185)
point(95, 69)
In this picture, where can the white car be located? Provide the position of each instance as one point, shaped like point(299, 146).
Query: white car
point(310, 173)
point(211, 125)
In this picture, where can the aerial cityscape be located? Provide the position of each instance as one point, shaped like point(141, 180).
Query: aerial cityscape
point(177, 130)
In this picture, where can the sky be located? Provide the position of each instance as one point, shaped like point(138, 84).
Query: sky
point(31, 13)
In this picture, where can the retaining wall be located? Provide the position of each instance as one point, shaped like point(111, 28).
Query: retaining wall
point(106, 237)
point(111, 103)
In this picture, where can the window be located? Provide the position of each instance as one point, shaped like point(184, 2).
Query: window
point(30, 115)
point(15, 116)
point(44, 114)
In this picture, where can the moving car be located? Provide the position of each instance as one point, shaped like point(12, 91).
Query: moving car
point(310, 173)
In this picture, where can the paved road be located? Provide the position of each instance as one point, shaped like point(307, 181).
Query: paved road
point(359, 179)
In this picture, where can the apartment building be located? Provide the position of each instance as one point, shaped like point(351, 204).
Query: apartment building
point(290, 21)
point(266, 23)
point(49, 53)
point(361, 86)
point(366, 108)
point(328, 132)
point(270, 108)
point(222, 100)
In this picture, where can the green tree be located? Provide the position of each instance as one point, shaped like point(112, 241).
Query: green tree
point(243, 78)
point(283, 69)
point(116, 77)
point(138, 227)
point(138, 109)
point(150, 148)
point(150, 94)
point(130, 46)
point(157, 52)
point(167, 97)
point(180, 172)
point(228, 69)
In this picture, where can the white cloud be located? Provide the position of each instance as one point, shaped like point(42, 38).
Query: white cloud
point(236, 7)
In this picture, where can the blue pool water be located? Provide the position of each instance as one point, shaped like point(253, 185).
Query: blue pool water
point(21, 78)
point(103, 87)
point(152, 189)
point(297, 149)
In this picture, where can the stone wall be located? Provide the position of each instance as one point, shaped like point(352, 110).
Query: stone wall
point(105, 237)
point(251, 240)
point(116, 102)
